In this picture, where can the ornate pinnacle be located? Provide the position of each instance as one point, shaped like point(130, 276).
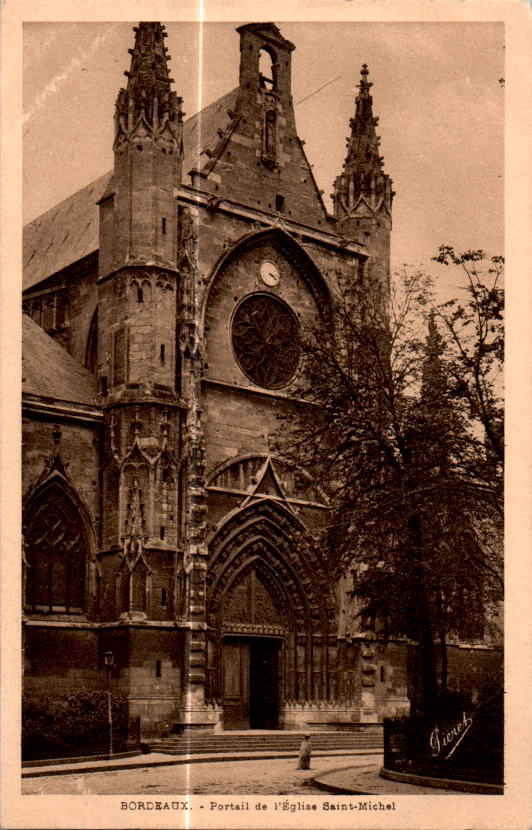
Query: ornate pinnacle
point(362, 173)
point(364, 120)
point(148, 97)
point(134, 536)
point(149, 71)
point(363, 156)
point(364, 86)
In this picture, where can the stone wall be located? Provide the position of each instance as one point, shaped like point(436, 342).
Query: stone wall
point(59, 659)
point(78, 448)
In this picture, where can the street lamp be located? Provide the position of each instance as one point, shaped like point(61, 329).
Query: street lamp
point(108, 660)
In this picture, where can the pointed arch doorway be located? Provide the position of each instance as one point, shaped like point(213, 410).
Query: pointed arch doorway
point(253, 631)
point(269, 614)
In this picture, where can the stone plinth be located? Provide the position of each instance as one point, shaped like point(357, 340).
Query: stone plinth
point(323, 714)
point(198, 716)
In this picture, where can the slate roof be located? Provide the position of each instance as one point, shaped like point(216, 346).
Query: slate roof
point(62, 235)
point(200, 132)
point(70, 230)
point(50, 371)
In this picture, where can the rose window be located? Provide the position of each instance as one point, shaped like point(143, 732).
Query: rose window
point(265, 336)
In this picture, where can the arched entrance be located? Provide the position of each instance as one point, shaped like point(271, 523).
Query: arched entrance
point(253, 628)
point(269, 615)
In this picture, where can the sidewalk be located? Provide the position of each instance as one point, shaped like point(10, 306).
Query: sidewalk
point(367, 781)
point(161, 759)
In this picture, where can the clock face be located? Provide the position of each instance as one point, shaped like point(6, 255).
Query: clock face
point(269, 274)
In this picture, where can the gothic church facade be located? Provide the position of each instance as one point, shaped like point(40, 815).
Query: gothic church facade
point(160, 305)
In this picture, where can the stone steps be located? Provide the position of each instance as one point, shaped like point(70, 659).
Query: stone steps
point(273, 742)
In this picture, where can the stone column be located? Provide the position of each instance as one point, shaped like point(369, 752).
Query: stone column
point(368, 677)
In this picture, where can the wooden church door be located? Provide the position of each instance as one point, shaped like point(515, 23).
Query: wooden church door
point(236, 685)
point(253, 625)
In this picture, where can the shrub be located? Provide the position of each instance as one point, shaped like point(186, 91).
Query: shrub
point(70, 725)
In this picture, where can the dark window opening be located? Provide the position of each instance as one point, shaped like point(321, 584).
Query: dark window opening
point(139, 580)
point(279, 203)
point(140, 295)
point(163, 596)
point(165, 475)
point(163, 224)
point(91, 352)
point(157, 668)
point(60, 312)
point(36, 312)
point(267, 79)
point(163, 353)
point(48, 315)
point(104, 386)
point(383, 674)
point(162, 532)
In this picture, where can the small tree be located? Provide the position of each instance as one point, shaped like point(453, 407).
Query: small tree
point(412, 497)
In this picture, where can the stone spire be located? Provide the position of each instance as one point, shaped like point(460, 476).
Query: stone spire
point(138, 212)
point(148, 105)
point(363, 176)
point(363, 147)
point(433, 382)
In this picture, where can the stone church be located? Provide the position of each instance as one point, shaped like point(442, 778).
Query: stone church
point(161, 305)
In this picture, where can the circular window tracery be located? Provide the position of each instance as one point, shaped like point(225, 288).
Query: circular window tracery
point(265, 336)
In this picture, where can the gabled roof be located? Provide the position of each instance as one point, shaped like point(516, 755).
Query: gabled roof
point(69, 231)
point(200, 132)
point(63, 235)
point(49, 371)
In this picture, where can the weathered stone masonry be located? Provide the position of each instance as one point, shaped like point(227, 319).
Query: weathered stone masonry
point(157, 521)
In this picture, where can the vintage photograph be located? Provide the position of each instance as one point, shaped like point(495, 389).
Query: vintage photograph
point(262, 390)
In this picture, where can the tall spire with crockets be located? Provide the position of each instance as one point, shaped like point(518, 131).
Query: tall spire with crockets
point(363, 175)
point(148, 103)
point(363, 191)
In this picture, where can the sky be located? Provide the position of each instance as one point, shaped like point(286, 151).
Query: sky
point(438, 91)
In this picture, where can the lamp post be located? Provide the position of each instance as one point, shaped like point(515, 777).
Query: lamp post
point(108, 660)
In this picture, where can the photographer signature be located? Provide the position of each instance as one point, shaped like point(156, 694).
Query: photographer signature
point(441, 740)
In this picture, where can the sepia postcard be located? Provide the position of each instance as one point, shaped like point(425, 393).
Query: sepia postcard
point(265, 457)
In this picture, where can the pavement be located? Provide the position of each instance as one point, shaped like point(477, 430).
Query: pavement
point(249, 773)
point(160, 759)
point(261, 776)
point(358, 781)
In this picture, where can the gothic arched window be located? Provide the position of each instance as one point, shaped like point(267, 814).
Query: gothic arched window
point(57, 548)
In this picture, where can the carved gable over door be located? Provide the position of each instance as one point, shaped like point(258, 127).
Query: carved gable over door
point(250, 607)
